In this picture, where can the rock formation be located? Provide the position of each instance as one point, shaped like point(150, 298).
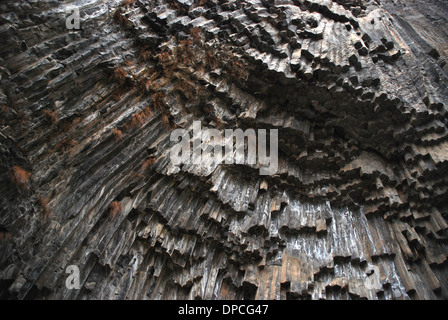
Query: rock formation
point(357, 90)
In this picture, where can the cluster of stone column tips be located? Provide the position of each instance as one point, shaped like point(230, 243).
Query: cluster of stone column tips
point(91, 91)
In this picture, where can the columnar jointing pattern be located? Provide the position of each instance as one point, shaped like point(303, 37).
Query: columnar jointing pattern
point(356, 89)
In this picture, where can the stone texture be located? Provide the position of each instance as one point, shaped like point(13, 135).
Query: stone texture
point(357, 90)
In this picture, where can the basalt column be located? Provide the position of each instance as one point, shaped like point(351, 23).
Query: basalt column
point(90, 92)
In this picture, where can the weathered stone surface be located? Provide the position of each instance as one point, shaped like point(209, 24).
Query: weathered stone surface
point(357, 91)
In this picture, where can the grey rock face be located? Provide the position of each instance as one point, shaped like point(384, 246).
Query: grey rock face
point(356, 89)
